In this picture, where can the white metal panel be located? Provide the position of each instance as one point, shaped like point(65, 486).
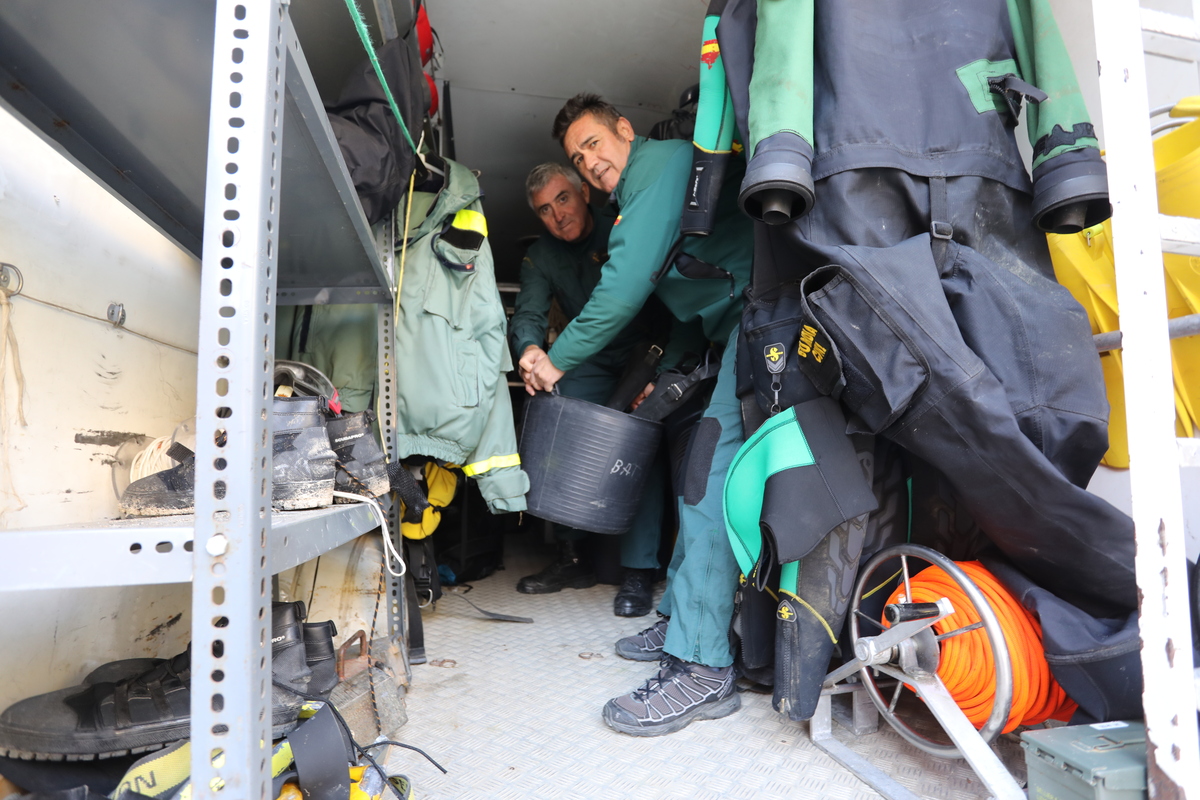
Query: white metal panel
point(89, 387)
point(511, 65)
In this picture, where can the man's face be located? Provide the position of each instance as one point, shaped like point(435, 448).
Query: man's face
point(597, 151)
point(563, 209)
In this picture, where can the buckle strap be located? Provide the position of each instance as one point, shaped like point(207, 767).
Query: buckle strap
point(940, 228)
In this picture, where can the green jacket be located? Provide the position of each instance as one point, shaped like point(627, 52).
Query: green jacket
point(339, 340)
point(452, 399)
point(649, 197)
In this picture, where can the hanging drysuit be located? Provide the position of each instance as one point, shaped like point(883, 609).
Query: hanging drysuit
point(452, 400)
point(917, 291)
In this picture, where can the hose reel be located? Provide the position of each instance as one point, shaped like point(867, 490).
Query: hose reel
point(904, 647)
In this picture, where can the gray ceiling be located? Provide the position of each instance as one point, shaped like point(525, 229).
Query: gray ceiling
point(512, 63)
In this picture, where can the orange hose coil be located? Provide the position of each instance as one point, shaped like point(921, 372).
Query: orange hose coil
point(967, 668)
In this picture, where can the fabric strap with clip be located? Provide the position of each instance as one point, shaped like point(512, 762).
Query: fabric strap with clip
point(674, 388)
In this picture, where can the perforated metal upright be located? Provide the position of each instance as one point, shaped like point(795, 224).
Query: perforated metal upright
point(1173, 749)
point(231, 605)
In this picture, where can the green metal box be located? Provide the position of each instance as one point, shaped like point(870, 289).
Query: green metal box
point(1105, 761)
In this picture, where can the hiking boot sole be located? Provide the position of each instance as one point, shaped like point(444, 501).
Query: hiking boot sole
point(635, 654)
point(301, 495)
point(721, 708)
point(586, 582)
point(375, 487)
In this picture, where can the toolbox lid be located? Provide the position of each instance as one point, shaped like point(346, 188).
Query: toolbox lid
point(1109, 754)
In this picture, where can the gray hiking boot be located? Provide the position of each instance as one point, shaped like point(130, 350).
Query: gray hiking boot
point(679, 694)
point(645, 645)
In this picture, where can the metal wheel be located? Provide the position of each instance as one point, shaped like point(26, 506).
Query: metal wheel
point(879, 576)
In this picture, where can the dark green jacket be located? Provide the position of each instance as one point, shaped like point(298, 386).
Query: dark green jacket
point(568, 272)
point(649, 198)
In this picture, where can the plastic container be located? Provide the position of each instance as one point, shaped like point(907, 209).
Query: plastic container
point(1105, 761)
point(586, 464)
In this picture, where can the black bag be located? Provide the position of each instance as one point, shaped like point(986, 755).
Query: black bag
point(376, 153)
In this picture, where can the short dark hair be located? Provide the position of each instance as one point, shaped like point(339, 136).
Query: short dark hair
point(577, 106)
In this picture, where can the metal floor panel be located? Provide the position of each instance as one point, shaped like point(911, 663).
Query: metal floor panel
point(513, 711)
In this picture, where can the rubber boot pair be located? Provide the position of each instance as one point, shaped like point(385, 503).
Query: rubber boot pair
point(137, 705)
point(305, 469)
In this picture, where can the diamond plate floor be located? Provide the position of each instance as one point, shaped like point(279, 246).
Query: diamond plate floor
point(512, 711)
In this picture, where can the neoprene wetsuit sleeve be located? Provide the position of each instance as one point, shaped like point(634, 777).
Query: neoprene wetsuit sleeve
point(650, 196)
point(528, 323)
point(1070, 182)
point(712, 143)
point(778, 186)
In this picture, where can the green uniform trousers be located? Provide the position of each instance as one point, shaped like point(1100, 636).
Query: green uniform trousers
point(703, 575)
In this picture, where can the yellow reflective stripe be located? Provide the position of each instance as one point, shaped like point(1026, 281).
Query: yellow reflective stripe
point(495, 462)
point(469, 220)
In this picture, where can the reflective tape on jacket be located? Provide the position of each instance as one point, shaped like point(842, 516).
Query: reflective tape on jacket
point(467, 230)
point(495, 462)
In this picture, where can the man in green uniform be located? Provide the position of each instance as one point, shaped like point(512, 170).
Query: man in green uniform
point(565, 266)
point(649, 180)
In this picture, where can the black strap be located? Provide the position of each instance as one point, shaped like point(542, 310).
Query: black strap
point(180, 453)
point(674, 388)
point(404, 484)
point(641, 371)
point(1013, 90)
point(320, 751)
point(940, 229)
point(494, 614)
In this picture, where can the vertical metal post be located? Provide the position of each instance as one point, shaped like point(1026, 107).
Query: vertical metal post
point(385, 328)
point(231, 607)
point(1172, 746)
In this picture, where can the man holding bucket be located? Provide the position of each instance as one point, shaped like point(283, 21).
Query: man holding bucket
point(648, 180)
point(566, 267)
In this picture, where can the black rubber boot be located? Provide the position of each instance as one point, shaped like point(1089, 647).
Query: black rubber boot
point(569, 571)
point(171, 491)
point(148, 710)
point(302, 466)
point(635, 598)
point(321, 656)
point(361, 464)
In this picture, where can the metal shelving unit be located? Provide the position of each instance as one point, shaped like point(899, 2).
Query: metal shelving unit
point(203, 116)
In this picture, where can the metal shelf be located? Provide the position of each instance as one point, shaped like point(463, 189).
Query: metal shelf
point(138, 552)
point(122, 87)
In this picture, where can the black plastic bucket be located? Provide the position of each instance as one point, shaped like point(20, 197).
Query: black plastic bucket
point(586, 464)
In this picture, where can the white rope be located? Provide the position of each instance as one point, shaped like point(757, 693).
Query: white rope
point(153, 458)
point(389, 549)
point(8, 342)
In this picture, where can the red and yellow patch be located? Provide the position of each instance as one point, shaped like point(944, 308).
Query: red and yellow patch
point(710, 51)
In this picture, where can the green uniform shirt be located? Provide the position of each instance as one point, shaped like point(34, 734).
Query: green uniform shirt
point(649, 197)
point(568, 272)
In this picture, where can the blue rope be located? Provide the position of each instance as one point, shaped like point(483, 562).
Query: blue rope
point(361, 27)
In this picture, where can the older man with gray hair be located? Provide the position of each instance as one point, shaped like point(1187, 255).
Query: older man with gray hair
point(565, 266)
